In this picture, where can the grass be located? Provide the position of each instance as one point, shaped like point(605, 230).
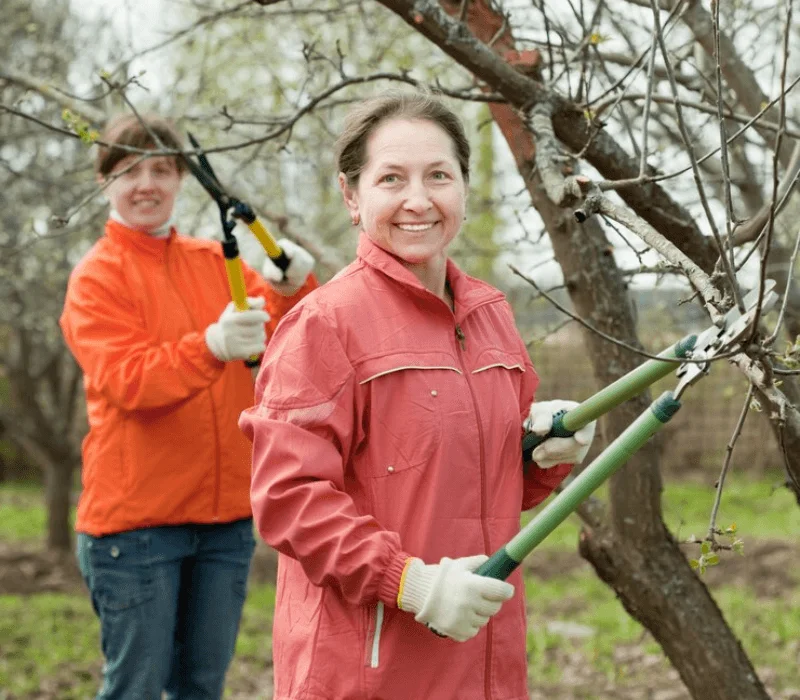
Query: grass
point(769, 629)
point(50, 642)
point(758, 509)
point(24, 517)
point(45, 638)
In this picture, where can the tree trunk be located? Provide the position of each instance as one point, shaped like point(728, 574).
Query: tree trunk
point(58, 467)
point(58, 498)
point(657, 588)
point(631, 550)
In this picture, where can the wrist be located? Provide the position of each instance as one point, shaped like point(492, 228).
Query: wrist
point(393, 569)
point(415, 585)
point(286, 289)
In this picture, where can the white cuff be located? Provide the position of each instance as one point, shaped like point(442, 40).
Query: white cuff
point(416, 586)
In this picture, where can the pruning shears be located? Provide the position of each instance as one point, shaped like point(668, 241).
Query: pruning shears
point(231, 209)
point(696, 351)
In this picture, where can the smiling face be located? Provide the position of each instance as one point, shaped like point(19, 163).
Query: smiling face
point(411, 194)
point(144, 194)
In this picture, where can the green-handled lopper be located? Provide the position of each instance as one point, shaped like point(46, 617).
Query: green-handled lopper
point(698, 350)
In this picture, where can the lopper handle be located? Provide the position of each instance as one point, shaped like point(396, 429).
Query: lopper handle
point(508, 558)
point(632, 384)
point(233, 269)
point(274, 251)
point(245, 213)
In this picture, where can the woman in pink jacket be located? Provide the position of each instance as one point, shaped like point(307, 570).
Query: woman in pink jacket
point(386, 436)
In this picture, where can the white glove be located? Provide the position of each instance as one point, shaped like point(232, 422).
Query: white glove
point(557, 450)
point(238, 335)
point(301, 262)
point(449, 598)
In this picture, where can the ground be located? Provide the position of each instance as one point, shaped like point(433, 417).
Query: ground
point(768, 569)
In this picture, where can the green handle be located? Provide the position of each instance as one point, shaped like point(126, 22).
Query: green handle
point(632, 384)
point(505, 560)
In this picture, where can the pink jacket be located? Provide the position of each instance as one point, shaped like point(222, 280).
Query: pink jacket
point(387, 427)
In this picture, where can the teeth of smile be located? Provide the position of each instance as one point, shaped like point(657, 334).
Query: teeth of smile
point(414, 227)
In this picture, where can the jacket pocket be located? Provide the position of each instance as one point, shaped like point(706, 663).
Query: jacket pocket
point(403, 409)
point(496, 358)
point(375, 618)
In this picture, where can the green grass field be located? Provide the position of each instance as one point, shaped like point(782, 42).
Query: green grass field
point(581, 642)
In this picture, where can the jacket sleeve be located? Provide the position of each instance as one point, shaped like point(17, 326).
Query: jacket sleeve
point(277, 305)
point(538, 483)
point(119, 359)
point(304, 429)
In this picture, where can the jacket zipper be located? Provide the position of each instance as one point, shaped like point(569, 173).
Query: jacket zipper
point(217, 468)
point(375, 645)
point(462, 341)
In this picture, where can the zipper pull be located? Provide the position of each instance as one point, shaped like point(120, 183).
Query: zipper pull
point(462, 339)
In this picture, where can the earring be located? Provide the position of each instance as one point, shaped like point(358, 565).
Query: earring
point(356, 219)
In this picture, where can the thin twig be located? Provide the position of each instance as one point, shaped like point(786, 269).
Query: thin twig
point(606, 185)
point(648, 100)
point(786, 292)
point(726, 170)
point(775, 165)
point(712, 525)
point(588, 326)
point(690, 151)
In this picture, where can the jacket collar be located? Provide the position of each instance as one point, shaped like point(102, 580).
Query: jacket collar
point(138, 241)
point(468, 292)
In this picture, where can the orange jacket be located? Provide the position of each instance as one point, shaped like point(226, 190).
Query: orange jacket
point(163, 446)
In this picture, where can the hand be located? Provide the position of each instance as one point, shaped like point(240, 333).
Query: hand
point(449, 598)
point(238, 335)
point(557, 450)
point(301, 262)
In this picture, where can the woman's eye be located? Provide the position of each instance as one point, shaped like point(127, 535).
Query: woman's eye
point(439, 175)
point(389, 179)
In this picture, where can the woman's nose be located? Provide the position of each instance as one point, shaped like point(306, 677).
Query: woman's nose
point(418, 198)
point(145, 181)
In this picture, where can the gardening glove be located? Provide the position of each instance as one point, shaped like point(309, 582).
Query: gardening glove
point(557, 450)
point(238, 335)
point(450, 599)
point(301, 262)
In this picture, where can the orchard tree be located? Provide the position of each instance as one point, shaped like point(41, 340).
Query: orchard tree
point(640, 121)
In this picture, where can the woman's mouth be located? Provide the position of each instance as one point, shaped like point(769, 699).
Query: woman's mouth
point(416, 228)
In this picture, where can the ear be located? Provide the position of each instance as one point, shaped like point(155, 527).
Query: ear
point(349, 194)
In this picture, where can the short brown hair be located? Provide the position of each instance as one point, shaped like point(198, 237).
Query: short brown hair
point(135, 131)
point(366, 117)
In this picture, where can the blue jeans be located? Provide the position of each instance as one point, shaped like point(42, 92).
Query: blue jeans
point(169, 601)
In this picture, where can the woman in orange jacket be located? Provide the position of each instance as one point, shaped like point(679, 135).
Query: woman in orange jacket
point(164, 524)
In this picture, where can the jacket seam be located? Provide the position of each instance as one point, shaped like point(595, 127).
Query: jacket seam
point(499, 364)
point(405, 367)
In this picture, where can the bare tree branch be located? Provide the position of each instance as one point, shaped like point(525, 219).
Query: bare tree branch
point(82, 109)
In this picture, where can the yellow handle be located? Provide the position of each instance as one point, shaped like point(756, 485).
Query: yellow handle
point(236, 283)
point(233, 267)
point(265, 238)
